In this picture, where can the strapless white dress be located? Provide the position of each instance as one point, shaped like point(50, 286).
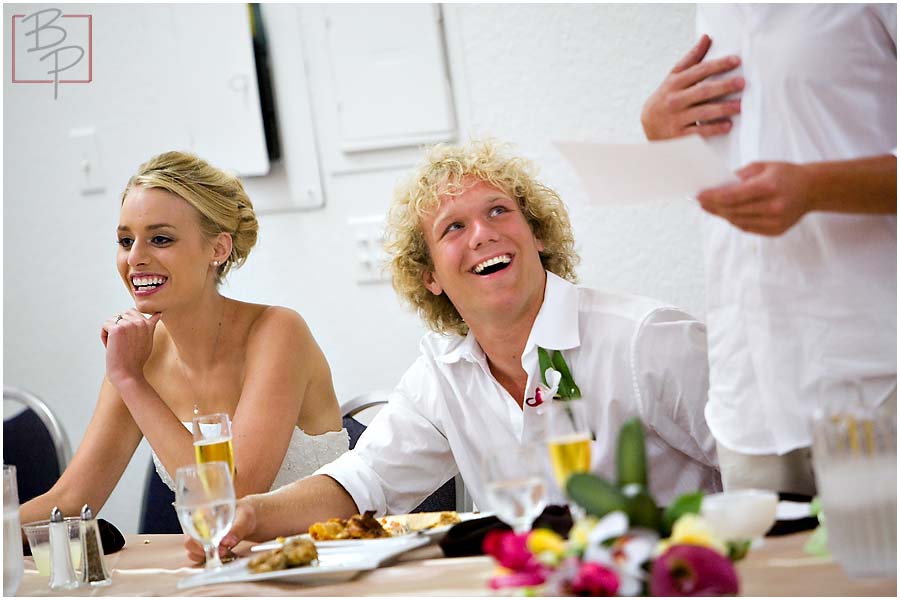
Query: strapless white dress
point(304, 455)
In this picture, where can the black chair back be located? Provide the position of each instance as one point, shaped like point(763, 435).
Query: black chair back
point(29, 446)
point(157, 513)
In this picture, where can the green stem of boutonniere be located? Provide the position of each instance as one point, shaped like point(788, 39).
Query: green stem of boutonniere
point(553, 359)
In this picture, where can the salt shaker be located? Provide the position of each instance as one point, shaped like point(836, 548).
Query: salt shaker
point(62, 575)
point(93, 567)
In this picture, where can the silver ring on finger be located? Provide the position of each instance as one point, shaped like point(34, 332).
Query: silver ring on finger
point(119, 317)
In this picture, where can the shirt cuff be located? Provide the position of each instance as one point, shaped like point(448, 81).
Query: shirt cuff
point(360, 481)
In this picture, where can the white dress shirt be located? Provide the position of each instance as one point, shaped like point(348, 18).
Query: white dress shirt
point(630, 356)
point(791, 316)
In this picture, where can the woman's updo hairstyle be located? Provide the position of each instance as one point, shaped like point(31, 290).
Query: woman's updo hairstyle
point(218, 196)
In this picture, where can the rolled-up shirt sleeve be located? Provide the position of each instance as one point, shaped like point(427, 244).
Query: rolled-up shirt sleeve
point(671, 372)
point(402, 456)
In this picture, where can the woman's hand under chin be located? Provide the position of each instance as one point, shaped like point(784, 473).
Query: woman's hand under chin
point(128, 338)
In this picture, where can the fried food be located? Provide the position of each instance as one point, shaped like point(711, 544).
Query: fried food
point(297, 552)
point(357, 527)
point(421, 521)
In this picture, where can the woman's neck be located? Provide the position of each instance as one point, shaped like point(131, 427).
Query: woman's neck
point(197, 330)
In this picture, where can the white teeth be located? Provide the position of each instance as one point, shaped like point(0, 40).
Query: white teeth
point(506, 258)
point(145, 281)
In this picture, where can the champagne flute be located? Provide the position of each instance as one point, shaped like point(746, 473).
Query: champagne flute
point(205, 503)
point(13, 566)
point(212, 439)
point(516, 485)
point(568, 441)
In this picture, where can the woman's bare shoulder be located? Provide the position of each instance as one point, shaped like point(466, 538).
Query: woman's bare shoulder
point(267, 322)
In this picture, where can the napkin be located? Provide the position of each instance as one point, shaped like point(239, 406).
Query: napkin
point(466, 538)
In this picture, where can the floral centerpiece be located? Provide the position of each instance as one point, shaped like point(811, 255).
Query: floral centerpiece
point(626, 545)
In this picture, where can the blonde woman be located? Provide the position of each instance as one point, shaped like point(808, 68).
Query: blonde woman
point(183, 226)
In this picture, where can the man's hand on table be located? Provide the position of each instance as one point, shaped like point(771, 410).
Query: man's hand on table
point(243, 526)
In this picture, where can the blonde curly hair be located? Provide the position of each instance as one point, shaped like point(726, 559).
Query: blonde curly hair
point(443, 173)
point(218, 196)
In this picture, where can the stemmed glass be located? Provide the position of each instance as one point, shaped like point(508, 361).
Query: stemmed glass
point(516, 485)
point(204, 500)
point(568, 442)
point(212, 439)
point(13, 566)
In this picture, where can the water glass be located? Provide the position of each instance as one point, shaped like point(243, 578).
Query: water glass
point(38, 534)
point(855, 462)
point(212, 439)
point(13, 562)
point(205, 503)
point(516, 485)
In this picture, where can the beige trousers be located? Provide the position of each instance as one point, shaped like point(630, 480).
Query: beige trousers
point(791, 472)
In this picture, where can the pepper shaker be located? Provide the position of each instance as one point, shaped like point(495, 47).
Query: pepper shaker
point(93, 566)
point(62, 575)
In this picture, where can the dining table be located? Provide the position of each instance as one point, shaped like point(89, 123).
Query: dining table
point(152, 565)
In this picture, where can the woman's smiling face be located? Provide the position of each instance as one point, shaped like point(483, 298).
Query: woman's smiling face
point(163, 257)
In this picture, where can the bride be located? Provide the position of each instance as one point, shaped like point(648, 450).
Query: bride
point(183, 226)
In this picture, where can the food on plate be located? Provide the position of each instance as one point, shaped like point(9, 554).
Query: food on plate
point(419, 521)
point(296, 552)
point(357, 527)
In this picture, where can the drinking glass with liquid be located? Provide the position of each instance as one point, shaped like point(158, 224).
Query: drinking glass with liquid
point(212, 439)
point(568, 439)
point(516, 484)
point(205, 503)
point(13, 564)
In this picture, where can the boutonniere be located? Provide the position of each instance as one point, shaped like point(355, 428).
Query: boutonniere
point(556, 376)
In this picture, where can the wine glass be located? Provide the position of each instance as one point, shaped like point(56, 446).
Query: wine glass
point(516, 484)
point(568, 441)
point(212, 439)
point(13, 566)
point(204, 501)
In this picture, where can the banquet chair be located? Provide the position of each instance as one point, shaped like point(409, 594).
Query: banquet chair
point(358, 413)
point(35, 442)
point(157, 513)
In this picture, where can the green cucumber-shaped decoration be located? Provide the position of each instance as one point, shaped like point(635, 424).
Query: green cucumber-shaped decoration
point(642, 510)
point(595, 495)
point(631, 456)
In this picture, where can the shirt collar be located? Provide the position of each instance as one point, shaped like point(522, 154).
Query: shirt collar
point(555, 328)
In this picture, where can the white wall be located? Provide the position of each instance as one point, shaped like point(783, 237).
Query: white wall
point(529, 74)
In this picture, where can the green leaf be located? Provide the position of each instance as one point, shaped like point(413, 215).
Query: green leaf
point(683, 505)
point(595, 495)
point(567, 387)
point(817, 544)
point(738, 550)
point(642, 509)
point(631, 455)
point(545, 363)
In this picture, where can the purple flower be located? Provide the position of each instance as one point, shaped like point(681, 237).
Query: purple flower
point(685, 570)
point(594, 579)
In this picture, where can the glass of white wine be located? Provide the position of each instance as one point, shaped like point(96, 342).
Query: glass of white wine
point(204, 501)
point(516, 485)
point(568, 439)
point(212, 439)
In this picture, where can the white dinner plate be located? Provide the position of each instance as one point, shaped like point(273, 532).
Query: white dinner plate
point(433, 534)
point(335, 564)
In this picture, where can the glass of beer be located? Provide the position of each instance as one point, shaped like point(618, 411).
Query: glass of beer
point(568, 439)
point(212, 439)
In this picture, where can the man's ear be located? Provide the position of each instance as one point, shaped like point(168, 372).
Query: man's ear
point(222, 245)
point(539, 243)
point(431, 283)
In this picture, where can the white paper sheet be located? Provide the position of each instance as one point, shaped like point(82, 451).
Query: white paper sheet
point(617, 174)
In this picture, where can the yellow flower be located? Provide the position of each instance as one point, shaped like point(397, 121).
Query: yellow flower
point(541, 541)
point(581, 531)
point(692, 530)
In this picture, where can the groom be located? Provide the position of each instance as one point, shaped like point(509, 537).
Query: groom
point(484, 253)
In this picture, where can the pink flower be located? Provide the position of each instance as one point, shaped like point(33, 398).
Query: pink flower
point(594, 579)
point(510, 551)
point(685, 570)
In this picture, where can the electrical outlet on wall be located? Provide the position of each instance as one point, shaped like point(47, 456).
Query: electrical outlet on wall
point(367, 236)
point(86, 155)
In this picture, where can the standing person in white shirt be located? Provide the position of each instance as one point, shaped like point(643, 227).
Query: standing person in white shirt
point(484, 252)
point(801, 255)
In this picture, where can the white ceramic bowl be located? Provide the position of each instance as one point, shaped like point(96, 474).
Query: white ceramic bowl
point(741, 514)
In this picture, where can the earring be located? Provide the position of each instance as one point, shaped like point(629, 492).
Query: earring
point(215, 263)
